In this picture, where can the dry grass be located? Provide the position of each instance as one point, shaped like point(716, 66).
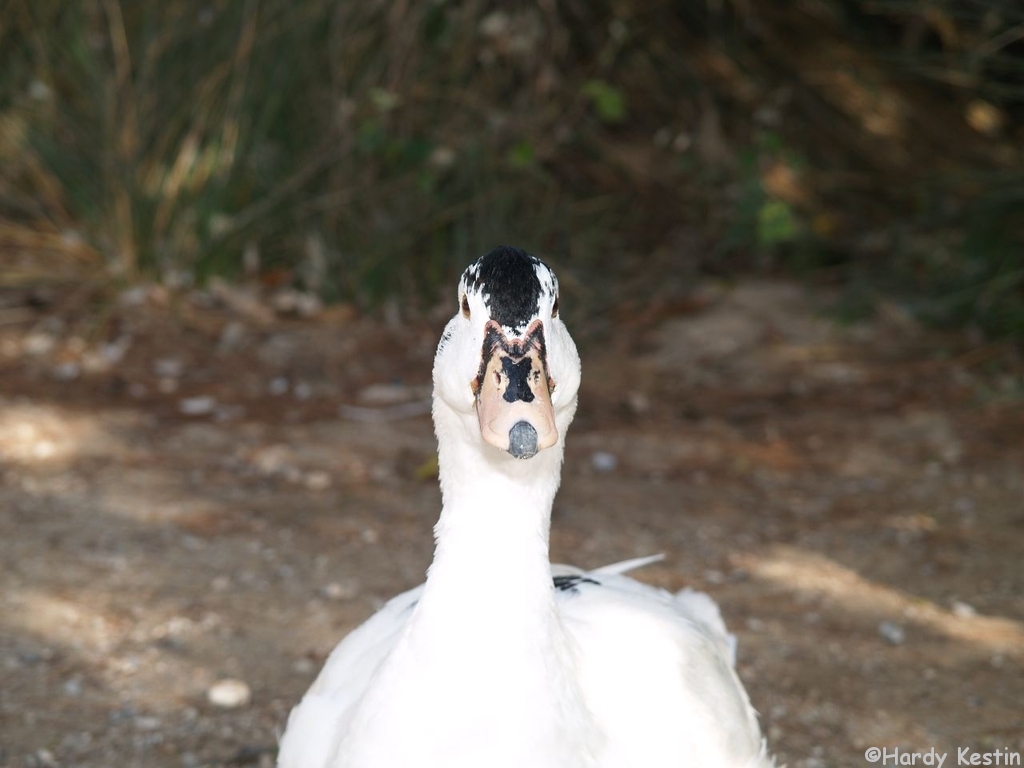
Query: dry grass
point(365, 150)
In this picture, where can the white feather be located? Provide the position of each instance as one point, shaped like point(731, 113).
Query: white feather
point(487, 664)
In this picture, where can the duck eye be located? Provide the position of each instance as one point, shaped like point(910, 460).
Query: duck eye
point(554, 308)
point(465, 306)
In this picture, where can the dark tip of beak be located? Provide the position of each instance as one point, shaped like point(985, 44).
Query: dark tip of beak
point(522, 440)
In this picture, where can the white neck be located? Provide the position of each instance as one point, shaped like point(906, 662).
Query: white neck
point(486, 639)
point(491, 556)
point(484, 666)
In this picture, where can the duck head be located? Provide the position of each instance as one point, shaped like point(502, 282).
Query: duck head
point(506, 357)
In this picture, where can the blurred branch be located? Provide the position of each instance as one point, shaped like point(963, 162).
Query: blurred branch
point(839, 134)
point(124, 116)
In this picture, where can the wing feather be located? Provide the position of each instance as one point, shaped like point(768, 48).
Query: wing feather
point(657, 671)
point(318, 721)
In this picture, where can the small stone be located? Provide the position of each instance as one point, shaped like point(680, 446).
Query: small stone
point(225, 413)
point(229, 694)
point(92, 361)
point(272, 459)
point(147, 723)
point(122, 714)
point(113, 352)
point(67, 371)
point(494, 24)
point(604, 462)
point(442, 158)
point(304, 666)
point(892, 632)
point(638, 403)
point(370, 536)
point(278, 385)
point(168, 368)
point(220, 584)
point(232, 336)
point(302, 391)
point(389, 394)
point(38, 344)
point(318, 480)
point(197, 406)
point(963, 610)
point(293, 302)
point(309, 305)
point(964, 505)
point(712, 576)
point(339, 591)
point(73, 742)
point(133, 297)
point(43, 449)
point(241, 301)
point(73, 688)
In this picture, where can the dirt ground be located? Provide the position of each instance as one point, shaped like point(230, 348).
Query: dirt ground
point(195, 490)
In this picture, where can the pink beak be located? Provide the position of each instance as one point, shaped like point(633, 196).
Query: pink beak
point(513, 393)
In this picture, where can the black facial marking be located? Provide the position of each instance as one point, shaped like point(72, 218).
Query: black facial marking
point(571, 583)
point(518, 375)
point(495, 341)
point(508, 279)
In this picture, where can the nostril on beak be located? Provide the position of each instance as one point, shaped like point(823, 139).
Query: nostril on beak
point(522, 440)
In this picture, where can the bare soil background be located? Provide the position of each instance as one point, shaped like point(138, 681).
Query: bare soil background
point(192, 490)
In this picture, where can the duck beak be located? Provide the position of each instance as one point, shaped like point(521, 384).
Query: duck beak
point(513, 392)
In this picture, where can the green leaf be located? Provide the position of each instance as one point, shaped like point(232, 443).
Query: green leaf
point(521, 155)
point(384, 100)
point(608, 101)
point(776, 223)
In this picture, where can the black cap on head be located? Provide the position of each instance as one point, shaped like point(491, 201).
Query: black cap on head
point(508, 279)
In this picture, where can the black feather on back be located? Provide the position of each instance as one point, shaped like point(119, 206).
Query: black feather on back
point(571, 583)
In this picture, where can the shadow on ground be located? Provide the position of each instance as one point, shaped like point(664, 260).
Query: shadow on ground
point(193, 506)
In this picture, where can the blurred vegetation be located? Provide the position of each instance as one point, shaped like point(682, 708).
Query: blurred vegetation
point(370, 149)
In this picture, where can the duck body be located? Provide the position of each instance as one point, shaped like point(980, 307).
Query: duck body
point(624, 640)
point(500, 659)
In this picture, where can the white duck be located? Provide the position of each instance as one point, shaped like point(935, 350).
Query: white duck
point(501, 659)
